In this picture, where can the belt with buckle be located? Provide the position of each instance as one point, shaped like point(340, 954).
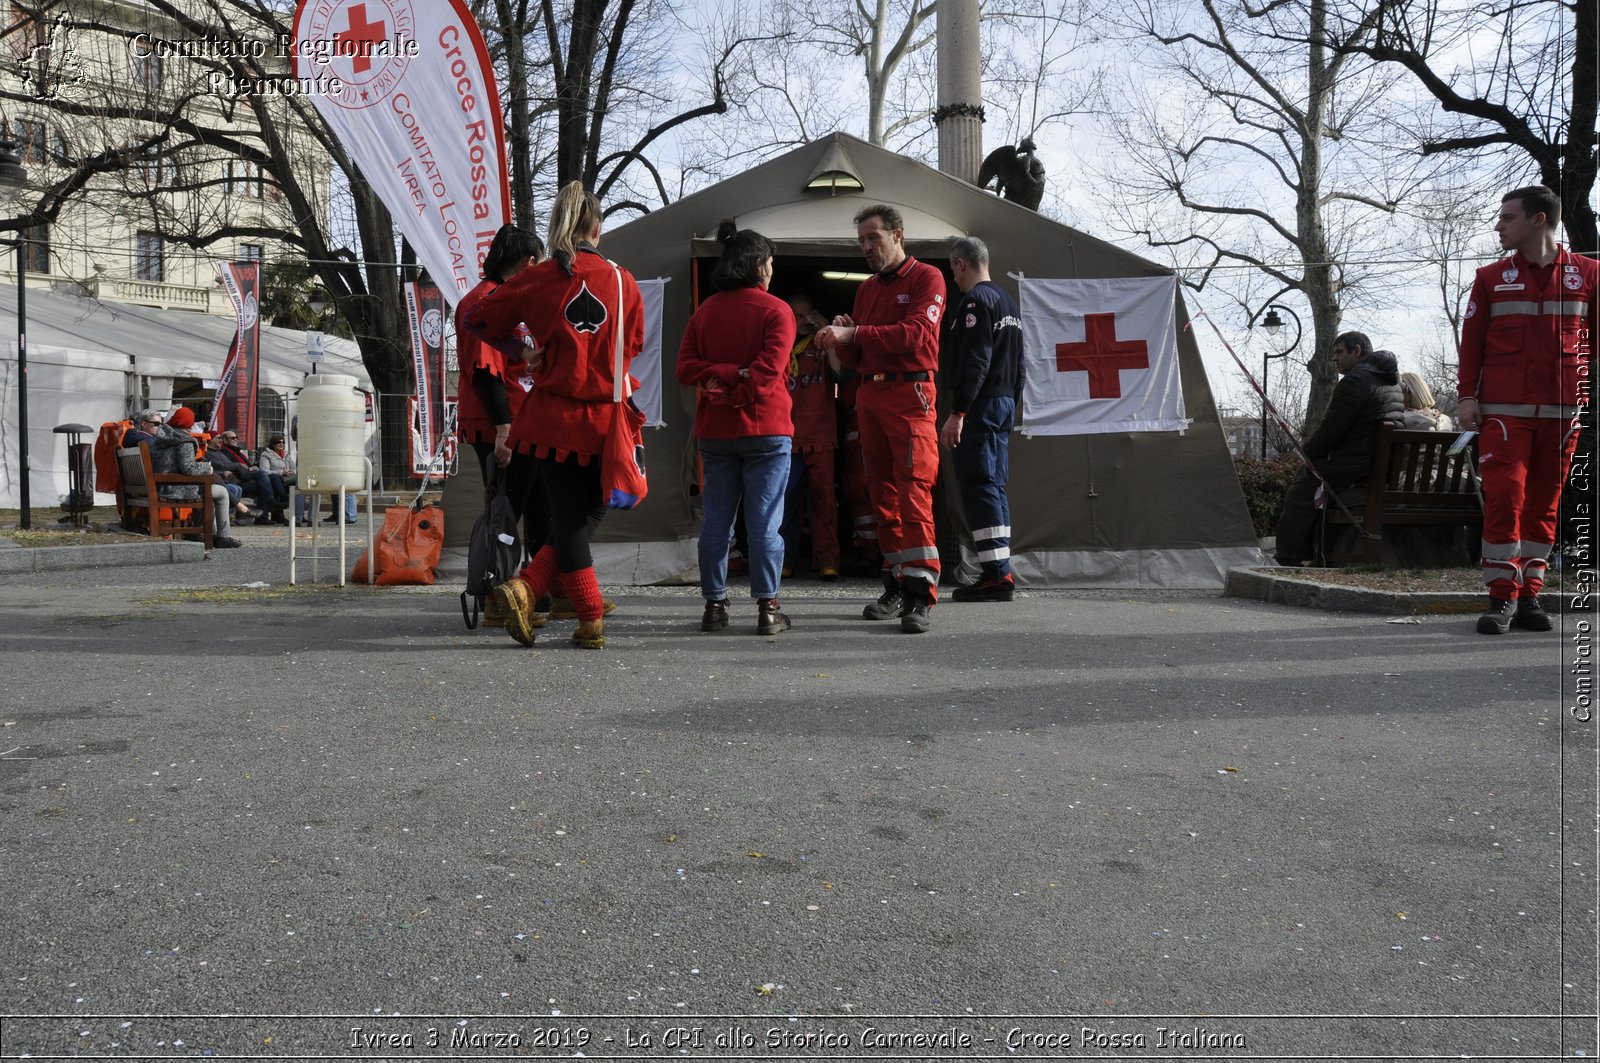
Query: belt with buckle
point(883, 378)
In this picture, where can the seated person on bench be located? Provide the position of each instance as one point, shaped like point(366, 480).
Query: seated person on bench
point(144, 429)
point(174, 452)
point(1341, 447)
point(1421, 413)
point(235, 467)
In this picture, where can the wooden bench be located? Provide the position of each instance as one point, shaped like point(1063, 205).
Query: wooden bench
point(1413, 481)
point(139, 491)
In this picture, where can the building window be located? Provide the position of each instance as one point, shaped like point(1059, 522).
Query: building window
point(249, 253)
point(150, 71)
point(30, 137)
point(244, 179)
point(37, 245)
point(149, 259)
point(150, 165)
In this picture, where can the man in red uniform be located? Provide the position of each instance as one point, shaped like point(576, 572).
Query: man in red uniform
point(892, 340)
point(1525, 354)
point(816, 438)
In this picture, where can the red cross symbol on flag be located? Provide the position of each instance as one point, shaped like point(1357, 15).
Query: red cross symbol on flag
point(361, 32)
point(1102, 355)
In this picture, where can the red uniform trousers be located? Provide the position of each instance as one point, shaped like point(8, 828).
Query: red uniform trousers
point(1523, 462)
point(822, 504)
point(900, 444)
point(857, 500)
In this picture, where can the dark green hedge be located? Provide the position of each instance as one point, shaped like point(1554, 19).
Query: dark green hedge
point(1264, 483)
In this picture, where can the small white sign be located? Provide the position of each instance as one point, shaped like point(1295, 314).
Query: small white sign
point(313, 347)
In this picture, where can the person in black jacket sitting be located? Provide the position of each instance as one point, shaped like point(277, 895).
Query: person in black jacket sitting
point(1341, 448)
point(233, 464)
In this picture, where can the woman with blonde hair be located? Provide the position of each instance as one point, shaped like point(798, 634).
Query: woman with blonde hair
point(573, 304)
point(1420, 412)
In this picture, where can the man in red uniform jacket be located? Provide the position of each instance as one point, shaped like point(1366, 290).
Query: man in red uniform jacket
point(1525, 346)
point(892, 340)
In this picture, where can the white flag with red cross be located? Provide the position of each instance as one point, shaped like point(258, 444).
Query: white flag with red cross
point(409, 88)
point(1102, 356)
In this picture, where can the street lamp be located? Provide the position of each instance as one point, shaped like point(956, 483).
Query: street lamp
point(1272, 324)
point(13, 179)
point(319, 302)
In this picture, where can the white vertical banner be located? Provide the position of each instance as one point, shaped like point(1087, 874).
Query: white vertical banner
point(410, 92)
point(1102, 356)
point(647, 366)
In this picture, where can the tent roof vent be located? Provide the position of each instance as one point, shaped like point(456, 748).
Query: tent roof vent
point(834, 173)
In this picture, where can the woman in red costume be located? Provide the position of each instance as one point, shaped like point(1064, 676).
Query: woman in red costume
point(571, 305)
point(490, 392)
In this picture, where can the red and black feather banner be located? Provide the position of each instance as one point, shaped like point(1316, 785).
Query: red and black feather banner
point(425, 315)
point(235, 406)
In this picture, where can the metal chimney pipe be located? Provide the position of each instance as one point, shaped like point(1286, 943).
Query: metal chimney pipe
point(960, 107)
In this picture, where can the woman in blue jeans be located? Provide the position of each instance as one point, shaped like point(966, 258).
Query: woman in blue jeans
point(735, 352)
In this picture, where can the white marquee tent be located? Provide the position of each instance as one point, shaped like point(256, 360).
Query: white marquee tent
point(91, 361)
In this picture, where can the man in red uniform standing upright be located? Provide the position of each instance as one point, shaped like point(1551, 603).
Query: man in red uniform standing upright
point(1525, 355)
point(892, 340)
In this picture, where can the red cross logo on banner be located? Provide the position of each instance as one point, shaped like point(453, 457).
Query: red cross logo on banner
point(1102, 355)
point(360, 32)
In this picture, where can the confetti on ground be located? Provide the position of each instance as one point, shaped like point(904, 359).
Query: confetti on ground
point(1403, 620)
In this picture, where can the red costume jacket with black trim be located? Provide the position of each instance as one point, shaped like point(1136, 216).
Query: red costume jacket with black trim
point(573, 318)
point(475, 422)
point(1527, 331)
point(897, 321)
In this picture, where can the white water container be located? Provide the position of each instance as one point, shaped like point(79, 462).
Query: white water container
point(332, 434)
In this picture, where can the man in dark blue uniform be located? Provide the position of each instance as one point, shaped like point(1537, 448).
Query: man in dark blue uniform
point(986, 380)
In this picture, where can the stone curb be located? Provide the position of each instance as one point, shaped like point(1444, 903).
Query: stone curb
point(1308, 593)
point(59, 558)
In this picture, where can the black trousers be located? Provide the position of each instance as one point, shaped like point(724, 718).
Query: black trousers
point(524, 492)
point(572, 492)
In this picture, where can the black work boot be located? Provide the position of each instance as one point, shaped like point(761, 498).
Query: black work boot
point(1531, 615)
point(769, 618)
point(1497, 621)
point(716, 616)
point(988, 590)
point(914, 618)
point(888, 606)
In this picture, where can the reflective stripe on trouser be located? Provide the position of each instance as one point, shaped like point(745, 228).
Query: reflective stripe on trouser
point(858, 500)
point(983, 467)
point(900, 444)
point(1523, 462)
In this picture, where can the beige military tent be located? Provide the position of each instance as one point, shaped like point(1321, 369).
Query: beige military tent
point(1144, 509)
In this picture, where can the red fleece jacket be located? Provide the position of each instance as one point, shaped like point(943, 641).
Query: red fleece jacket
point(741, 329)
point(897, 321)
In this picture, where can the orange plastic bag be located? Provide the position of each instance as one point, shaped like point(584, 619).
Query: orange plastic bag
point(407, 547)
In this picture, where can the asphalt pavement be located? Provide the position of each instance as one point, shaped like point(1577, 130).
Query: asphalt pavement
point(1158, 823)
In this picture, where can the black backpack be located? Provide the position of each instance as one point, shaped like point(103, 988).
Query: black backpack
point(495, 552)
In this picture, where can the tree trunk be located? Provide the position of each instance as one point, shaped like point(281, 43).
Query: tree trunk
point(381, 332)
point(1319, 283)
point(513, 31)
point(1576, 183)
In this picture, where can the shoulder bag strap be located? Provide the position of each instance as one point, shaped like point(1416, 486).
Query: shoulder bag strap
point(620, 387)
